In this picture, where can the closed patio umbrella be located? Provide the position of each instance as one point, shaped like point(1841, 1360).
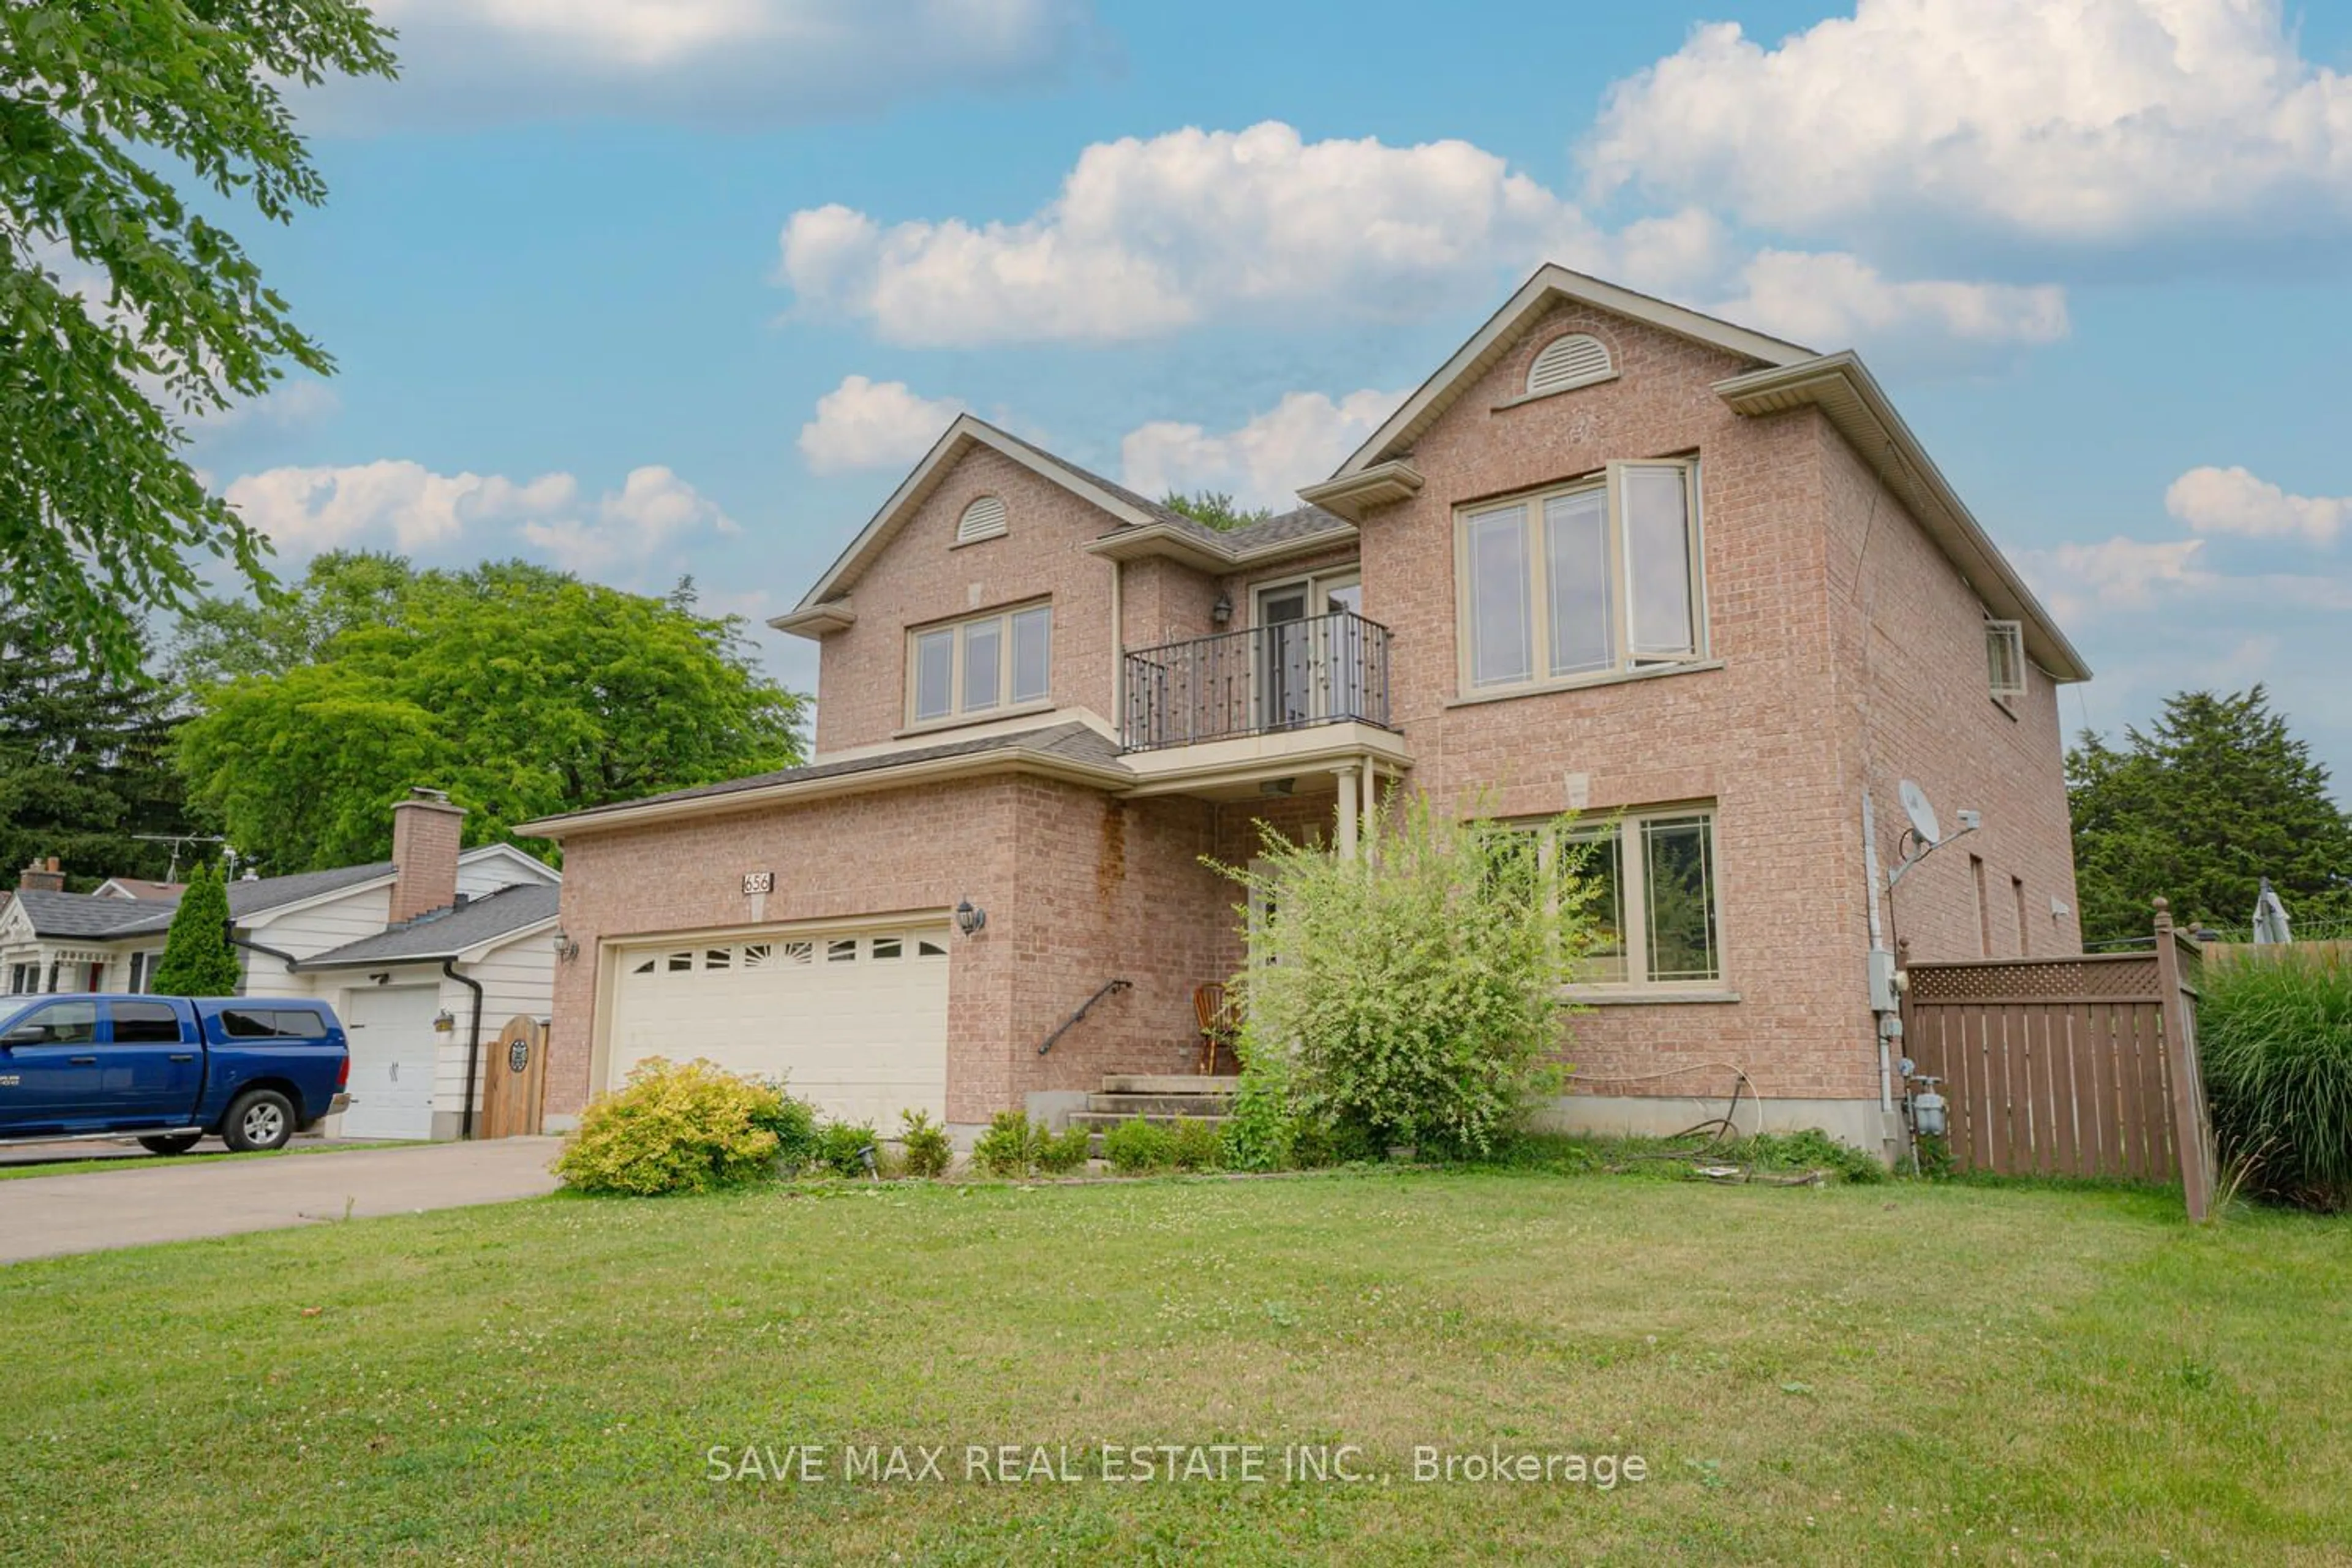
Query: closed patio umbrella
point(2269, 917)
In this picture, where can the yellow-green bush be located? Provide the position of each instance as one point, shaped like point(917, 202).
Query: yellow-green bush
point(672, 1128)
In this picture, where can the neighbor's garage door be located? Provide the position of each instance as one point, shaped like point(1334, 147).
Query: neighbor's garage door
point(857, 1023)
point(392, 1049)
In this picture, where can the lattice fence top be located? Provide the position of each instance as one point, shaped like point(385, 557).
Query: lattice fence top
point(2035, 980)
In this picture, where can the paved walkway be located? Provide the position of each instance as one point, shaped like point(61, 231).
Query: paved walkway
point(90, 1211)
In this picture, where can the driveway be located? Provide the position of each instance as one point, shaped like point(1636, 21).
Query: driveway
point(90, 1211)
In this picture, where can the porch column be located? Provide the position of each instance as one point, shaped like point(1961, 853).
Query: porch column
point(1371, 781)
point(1348, 804)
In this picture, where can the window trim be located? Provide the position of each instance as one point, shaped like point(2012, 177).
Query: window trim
point(2013, 634)
point(958, 632)
point(1634, 899)
point(1624, 664)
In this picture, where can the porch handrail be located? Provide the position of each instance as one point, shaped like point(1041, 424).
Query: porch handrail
point(1284, 674)
point(1083, 1008)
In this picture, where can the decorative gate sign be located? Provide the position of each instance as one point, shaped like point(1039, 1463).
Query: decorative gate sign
point(518, 1055)
point(756, 882)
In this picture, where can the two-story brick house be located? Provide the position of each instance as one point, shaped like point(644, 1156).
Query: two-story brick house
point(1698, 584)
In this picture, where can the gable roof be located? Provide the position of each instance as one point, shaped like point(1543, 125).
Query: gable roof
point(1785, 375)
point(1546, 288)
point(1070, 749)
point(85, 914)
point(138, 887)
point(1139, 524)
point(1850, 397)
point(448, 933)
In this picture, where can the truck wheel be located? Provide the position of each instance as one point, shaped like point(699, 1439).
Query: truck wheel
point(262, 1119)
point(179, 1143)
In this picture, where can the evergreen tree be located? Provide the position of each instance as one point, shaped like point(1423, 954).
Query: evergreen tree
point(85, 759)
point(2217, 796)
point(197, 958)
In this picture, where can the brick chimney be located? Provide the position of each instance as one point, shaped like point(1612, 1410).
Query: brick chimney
point(41, 876)
point(427, 831)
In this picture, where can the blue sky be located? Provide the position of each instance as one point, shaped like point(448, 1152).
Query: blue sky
point(644, 286)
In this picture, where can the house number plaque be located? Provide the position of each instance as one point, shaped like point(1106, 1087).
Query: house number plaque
point(759, 882)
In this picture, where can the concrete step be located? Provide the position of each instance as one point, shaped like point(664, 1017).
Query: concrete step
point(1125, 1105)
point(1104, 1120)
point(1168, 1083)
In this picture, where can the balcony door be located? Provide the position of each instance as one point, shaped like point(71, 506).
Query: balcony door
point(1305, 670)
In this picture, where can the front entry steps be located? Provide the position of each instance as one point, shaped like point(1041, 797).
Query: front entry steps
point(1163, 1097)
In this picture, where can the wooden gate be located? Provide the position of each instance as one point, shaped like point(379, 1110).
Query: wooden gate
point(2070, 1067)
point(514, 1071)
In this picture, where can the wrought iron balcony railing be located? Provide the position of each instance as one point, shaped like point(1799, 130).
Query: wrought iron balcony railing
point(1288, 674)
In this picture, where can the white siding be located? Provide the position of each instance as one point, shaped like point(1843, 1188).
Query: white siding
point(480, 874)
point(305, 932)
point(516, 978)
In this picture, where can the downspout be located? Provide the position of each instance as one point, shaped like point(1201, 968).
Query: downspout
point(473, 1045)
point(287, 959)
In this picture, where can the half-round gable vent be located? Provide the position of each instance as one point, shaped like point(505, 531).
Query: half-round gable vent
point(1575, 360)
point(984, 519)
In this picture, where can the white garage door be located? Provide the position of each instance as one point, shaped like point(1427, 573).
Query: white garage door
point(393, 1050)
point(856, 1022)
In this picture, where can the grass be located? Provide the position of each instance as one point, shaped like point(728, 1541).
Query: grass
point(1837, 1373)
point(88, 1162)
point(2275, 1039)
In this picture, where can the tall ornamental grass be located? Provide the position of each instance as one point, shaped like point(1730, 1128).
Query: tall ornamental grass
point(2275, 1039)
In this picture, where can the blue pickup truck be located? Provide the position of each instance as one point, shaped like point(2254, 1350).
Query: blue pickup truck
point(169, 1070)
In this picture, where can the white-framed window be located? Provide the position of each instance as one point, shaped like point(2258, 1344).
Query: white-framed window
point(1583, 581)
point(984, 519)
point(1657, 903)
point(2005, 657)
point(968, 669)
point(842, 951)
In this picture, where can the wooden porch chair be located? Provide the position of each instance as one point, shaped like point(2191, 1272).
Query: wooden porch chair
point(1219, 1022)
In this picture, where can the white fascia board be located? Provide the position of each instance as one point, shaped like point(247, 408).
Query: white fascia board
point(1502, 329)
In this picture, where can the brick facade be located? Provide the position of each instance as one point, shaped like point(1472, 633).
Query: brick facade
point(1844, 653)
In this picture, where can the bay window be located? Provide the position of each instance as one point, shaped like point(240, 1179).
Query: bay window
point(1583, 581)
point(972, 667)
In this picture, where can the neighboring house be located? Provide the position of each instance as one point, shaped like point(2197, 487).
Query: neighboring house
point(1699, 585)
point(139, 888)
point(425, 956)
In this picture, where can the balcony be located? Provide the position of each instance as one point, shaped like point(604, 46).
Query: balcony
point(1268, 679)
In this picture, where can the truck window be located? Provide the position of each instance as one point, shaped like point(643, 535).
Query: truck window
point(58, 1024)
point(146, 1024)
point(272, 1024)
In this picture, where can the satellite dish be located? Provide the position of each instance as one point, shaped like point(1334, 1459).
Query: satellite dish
point(1922, 814)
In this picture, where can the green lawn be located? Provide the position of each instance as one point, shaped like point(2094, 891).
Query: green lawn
point(1811, 1375)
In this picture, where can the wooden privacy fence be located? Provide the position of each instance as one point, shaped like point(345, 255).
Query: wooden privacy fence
point(2070, 1067)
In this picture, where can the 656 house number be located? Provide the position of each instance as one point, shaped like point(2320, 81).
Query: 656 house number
point(9, 1079)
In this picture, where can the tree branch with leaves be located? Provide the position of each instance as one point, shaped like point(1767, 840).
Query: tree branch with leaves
point(123, 310)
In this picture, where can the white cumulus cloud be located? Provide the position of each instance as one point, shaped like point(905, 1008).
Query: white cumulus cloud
point(2234, 501)
point(868, 424)
point(2081, 123)
point(409, 507)
point(1263, 462)
point(731, 60)
point(1148, 236)
point(2116, 573)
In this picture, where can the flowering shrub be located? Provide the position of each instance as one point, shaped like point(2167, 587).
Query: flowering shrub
point(672, 1128)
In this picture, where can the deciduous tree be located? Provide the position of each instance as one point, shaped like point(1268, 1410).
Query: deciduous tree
point(123, 309)
point(521, 690)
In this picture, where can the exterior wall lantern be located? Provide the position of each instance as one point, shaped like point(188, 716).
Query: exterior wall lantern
point(969, 917)
point(1221, 612)
point(565, 948)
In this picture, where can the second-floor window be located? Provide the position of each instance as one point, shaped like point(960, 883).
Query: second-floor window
point(972, 667)
point(1583, 581)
